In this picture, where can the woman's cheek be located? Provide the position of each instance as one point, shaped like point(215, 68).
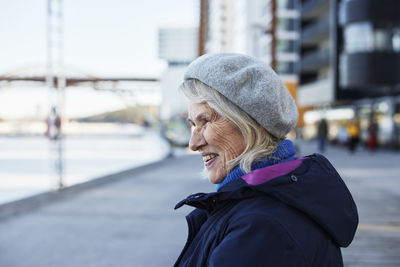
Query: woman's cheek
point(208, 136)
point(213, 135)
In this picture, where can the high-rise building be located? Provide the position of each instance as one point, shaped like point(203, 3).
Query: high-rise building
point(316, 73)
point(221, 23)
point(267, 29)
point(368, 56)
point(350, 56)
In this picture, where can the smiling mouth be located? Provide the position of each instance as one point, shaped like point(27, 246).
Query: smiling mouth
point(209, 157)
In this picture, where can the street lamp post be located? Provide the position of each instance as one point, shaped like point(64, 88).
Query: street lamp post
point(55, 81)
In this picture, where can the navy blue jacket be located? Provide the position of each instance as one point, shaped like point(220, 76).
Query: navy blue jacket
point(301, 218)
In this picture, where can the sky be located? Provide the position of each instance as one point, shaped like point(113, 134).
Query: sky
point(101, 38)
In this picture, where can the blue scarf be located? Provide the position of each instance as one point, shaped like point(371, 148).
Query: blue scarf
point(284, 152)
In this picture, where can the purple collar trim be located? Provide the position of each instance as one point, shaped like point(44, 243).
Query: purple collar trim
point(266, 174)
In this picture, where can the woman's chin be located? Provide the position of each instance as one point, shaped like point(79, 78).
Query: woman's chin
point(211, 176)
point(214, 180)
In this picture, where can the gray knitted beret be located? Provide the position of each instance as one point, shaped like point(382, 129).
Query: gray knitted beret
point(252, 85)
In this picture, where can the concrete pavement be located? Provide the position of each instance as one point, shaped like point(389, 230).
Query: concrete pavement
point(130, 221)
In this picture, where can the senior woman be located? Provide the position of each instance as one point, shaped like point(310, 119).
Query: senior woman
point(269, 208)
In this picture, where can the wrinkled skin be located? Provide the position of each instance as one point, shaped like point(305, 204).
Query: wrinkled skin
point(216, 136)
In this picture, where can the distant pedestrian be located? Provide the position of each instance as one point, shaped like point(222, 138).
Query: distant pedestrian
point(322, 135)
point(353, 131)
point(57, 125)
point(53, 125)
point(269, 208)
point(373, 129)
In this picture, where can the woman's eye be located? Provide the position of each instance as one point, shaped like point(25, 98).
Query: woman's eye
point(190, 123)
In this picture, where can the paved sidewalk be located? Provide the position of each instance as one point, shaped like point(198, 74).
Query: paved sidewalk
point(131, 221)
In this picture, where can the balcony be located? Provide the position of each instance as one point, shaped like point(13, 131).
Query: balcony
point(365, 70)
point(313, 61)
point(319, 92)
point(371, 10)
point(316, 32)
point(314, 8)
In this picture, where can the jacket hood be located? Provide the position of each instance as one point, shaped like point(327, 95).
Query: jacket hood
point(312, 186)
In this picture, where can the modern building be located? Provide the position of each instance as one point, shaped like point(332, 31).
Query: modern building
point(267, 29)
point(316, 52)
point(369, 63)
point(221, 24)
point(350, 57)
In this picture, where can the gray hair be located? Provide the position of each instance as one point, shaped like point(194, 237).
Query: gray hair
point(259, 142)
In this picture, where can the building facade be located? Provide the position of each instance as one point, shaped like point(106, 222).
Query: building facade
point(369, 64)
point(316, 52)
point(221, 25)
point(246, 26)
point(350, 58)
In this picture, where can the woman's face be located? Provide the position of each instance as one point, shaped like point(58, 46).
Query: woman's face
point(217, 139)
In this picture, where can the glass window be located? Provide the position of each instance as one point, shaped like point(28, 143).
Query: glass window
point(286, 4)
point(286, 46)
point(358, 37)
point(285, 67)
point(366, 37)
point(286, 24)
point(396, 39)
point(382, 40)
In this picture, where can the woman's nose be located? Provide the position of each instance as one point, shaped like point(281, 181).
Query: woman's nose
point(196, 140)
